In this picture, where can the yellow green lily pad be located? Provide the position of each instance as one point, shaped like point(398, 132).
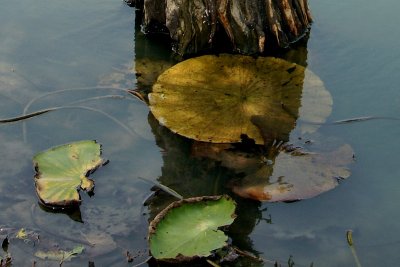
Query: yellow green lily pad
point(217, 98)
point(62, 171)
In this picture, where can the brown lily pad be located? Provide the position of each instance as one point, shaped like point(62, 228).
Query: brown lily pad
point(216, 98)
point(282, 172)
point(297, 174)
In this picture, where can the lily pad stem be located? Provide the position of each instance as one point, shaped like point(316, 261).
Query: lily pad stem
point(40, 112)
point(33, 100)
point(143, 262)
point(164, 188)
point(349, 237)
point(212, 263)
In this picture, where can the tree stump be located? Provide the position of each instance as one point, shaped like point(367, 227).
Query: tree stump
point(246, 27)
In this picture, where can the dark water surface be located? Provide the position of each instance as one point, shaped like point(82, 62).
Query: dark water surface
point(53, 45)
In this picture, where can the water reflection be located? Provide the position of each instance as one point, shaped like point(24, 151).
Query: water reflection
point(229, 110)
point(192, 169)
point(114, 215)
point(296, 162)
point(357, 69)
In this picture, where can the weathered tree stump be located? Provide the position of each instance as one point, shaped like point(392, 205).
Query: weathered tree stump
point(249, 25)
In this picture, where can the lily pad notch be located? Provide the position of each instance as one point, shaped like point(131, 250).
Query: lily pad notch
point(188, 229)
point(62, 171)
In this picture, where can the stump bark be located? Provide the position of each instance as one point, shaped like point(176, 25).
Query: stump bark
point(243, 26)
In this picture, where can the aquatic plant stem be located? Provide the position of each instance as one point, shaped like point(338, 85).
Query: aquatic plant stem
point(78, 102)
point(349, 238)
point(251, 256)
point(33, 100)
point(350, 120)
point(43, 111)
point(212, 263)
point(164, 188)
point(143, 262)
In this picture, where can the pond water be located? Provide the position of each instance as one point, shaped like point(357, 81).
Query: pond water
point(91, 47)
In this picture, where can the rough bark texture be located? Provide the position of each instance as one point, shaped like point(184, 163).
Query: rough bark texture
point(250, 25)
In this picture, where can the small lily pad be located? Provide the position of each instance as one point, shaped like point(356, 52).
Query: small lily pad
point(188, 228)
point(62, 171)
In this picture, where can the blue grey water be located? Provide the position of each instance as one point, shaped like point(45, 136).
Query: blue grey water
point(54, 45)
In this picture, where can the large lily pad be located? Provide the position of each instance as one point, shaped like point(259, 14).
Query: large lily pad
point(217, 98)
point(189, 228)
point(61, 171)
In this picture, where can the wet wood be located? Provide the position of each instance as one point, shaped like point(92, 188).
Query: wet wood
point(247, 27)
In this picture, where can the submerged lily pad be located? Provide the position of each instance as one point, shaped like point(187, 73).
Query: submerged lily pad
point(61, 171)
point(283, 172)
point(59, 254)
point(296, 174)
point(217, 98)
point(188, 228)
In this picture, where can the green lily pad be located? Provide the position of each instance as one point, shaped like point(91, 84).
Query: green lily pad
point(217, 98)
point(61, 171)
point(188, 228)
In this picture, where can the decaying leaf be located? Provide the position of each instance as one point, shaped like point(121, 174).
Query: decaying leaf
point(22, 234)
point(188, 228)
point(59, 254)
point(217, 98)
point(8, 234)
point(5, 261)
point(61, 171)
